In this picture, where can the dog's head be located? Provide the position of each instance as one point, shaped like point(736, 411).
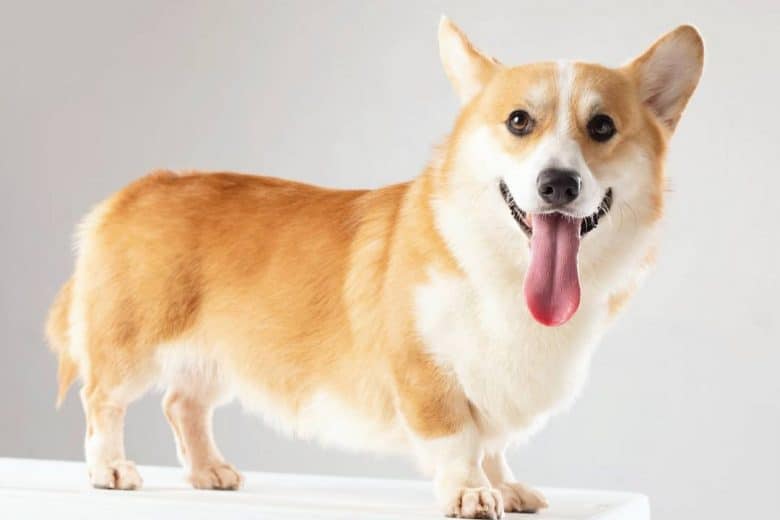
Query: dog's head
point(564, 144)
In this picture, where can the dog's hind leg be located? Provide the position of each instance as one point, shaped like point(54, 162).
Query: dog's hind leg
point(189, 406)
point(104, 408)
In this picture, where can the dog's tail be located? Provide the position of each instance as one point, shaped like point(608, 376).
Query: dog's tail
point(58, 335)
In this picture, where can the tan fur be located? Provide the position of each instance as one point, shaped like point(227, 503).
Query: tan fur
point(297, 297)
point(57, 332)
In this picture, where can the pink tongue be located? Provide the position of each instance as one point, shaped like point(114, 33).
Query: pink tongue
point(552, 285)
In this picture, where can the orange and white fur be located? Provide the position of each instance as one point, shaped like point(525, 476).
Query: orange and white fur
point(395, 319)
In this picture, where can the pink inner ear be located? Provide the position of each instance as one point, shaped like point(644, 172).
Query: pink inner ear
point(670, 73)
point(654, 102)
point(662, 82)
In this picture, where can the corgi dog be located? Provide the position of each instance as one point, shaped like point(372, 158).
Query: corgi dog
point(445, 317)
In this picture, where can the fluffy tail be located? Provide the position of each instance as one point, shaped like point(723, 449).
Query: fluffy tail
point(57, 332)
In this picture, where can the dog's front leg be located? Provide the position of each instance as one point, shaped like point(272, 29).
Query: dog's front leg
point(460, 483)
point(517, 497)
point(447, 441)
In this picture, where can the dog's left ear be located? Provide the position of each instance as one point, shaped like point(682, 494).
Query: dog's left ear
point(668, 72)
point(469, 70)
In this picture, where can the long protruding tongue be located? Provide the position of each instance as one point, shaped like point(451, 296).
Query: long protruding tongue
point(552, 284)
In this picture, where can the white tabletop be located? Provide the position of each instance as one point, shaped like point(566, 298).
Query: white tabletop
point(44, 488)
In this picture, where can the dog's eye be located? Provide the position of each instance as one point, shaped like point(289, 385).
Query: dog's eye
point(520, 122)
point(601, 128)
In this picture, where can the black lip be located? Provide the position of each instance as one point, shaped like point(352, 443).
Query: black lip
point(588, 223)
point(517, 213)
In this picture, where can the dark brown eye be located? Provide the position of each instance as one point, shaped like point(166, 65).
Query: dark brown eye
point(601, 128)
point(520, 122)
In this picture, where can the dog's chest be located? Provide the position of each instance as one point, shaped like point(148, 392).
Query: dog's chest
point(514, 370)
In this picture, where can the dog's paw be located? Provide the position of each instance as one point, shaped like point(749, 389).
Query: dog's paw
point(521, 499)
point(119, 474)
point(481, 502)
point(216, 476)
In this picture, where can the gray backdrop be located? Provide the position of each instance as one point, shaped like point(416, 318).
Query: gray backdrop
point(682, 402)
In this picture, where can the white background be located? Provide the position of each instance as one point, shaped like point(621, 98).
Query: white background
point(682, 403)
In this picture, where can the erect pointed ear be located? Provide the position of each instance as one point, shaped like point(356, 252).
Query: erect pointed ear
point(668, 72)
point(468, 69)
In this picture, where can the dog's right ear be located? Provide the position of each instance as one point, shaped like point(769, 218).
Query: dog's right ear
point(469, 70)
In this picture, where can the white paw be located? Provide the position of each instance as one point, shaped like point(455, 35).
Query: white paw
point(119, 474)
point(521, 499)
point(216, 476)
point(481, 502)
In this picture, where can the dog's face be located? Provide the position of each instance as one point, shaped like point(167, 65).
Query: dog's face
point(565, 143)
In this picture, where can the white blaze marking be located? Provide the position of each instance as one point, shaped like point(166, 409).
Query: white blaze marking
point(565, 81)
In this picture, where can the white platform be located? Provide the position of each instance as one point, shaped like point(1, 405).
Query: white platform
point(52, 489)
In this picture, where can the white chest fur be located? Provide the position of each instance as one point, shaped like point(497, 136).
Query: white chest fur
point(515, 371)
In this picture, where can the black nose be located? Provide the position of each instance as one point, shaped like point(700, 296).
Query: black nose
point(557, 186)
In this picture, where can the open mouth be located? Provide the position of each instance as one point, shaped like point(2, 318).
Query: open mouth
point(587, 225)
point(552, 284)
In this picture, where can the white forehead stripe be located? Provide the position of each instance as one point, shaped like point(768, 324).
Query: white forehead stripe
point(565, 82)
